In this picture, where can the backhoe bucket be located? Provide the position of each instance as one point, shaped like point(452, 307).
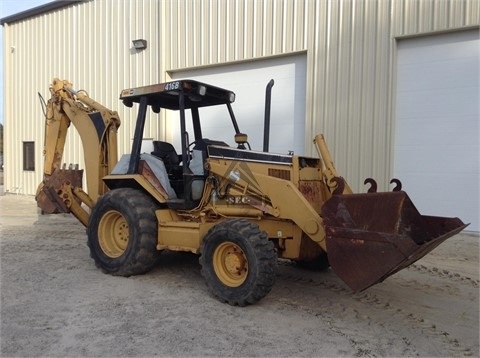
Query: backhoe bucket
point(49, 192)
point(372, 236)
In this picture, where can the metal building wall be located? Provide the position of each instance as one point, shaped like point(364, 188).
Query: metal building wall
point(89, 44)
point(350, 48)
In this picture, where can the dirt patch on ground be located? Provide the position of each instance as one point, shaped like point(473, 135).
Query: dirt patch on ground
point(54, 302)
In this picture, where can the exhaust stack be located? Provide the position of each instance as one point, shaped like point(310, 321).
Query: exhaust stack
point(266, 126)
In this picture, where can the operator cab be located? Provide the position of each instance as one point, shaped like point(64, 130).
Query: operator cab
point(185, 170)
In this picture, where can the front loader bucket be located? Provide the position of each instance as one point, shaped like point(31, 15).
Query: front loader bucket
point(372, 236)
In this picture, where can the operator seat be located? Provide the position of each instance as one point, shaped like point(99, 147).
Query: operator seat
point(167, 153)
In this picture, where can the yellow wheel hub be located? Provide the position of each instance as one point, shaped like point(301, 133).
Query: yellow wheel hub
point(113, 234)
point(230, 264)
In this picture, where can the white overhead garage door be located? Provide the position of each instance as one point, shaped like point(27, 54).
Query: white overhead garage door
point(436, 152)
point(248, 80)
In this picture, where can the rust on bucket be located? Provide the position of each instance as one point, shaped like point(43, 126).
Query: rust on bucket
point(372, 236)
point(49, 194)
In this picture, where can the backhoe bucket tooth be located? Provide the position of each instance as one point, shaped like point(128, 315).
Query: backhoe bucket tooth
point(370, 237)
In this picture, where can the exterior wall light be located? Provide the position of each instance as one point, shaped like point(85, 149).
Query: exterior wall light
point(139, 44)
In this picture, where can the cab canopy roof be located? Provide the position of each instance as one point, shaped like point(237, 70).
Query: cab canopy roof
point(167, 95)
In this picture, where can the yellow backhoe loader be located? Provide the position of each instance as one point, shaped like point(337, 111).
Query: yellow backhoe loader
point(237, 208)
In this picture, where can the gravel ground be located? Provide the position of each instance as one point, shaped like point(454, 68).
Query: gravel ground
point(55, 303)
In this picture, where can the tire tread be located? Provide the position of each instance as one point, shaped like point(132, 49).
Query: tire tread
point(265, 258)
point(142, 208)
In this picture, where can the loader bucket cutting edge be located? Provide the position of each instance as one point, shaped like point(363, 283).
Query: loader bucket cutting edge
point(370, 237)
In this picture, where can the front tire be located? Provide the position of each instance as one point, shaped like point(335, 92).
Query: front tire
point(238, 262)
point(122, 232)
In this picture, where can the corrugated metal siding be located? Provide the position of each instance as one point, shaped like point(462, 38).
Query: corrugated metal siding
point(350, 71)
point(212, 32)
point(411, 17)
point(89, 44)
point(350, 46)
point(351, 86)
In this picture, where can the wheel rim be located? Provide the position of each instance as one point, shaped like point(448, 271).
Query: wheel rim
point(230, 264)
point(113, 234)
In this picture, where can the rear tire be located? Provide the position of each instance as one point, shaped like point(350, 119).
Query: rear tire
point(238, 262)
point(122, 232)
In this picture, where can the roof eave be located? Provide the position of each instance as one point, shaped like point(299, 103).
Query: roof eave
point(37, 10)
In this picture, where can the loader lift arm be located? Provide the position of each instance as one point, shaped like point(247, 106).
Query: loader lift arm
point(61, 188)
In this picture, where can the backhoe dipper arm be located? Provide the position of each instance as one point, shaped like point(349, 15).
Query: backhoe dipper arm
point(97, 126)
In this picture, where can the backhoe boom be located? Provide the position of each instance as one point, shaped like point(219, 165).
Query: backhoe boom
point(61, 188)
